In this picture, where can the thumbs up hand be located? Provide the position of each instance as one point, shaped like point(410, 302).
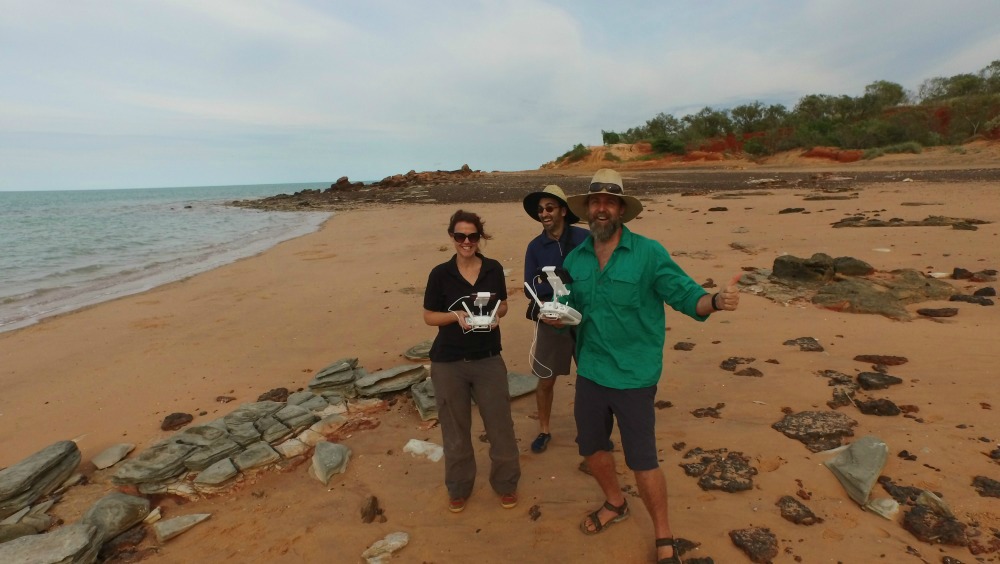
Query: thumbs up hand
point(729, 298)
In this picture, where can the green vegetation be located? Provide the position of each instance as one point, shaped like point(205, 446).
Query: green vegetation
point(612, 157)
point(908, 147)
point(578, 152)
point(886, 118)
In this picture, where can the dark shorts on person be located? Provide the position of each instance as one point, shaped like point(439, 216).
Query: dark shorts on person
point(596, 408)
point(552, 351)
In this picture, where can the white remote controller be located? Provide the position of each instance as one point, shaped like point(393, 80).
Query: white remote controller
point(481, 322)
point(554, 309)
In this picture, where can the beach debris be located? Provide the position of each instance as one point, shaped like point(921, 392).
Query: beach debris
point(719, 469)
point(175, 421)
point(817, 430)
point(795, 511)
point(987, 487)
point(170, 528)
point(938, 312)
point(877, 380)
point(112, 455)
point(748, 248)
point(381, 551)
point(806, 344)
point(858, 466)
point(329, 459)
point(884, 507)
point(37, 475)
point(759, 543)
point(370, 511)
point(416, 447)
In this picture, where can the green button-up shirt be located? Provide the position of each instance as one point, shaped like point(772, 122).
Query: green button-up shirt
point(619, 343)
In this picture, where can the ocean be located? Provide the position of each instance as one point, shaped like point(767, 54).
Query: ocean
point(64, 250)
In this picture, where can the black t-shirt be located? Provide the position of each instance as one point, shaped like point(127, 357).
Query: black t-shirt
point(446, 291)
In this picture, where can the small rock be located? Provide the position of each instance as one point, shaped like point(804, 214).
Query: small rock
point(166, 530)
point(882, 359)
point(759, 543)
point(682, 346)
point(938, 312)
point(807, 344)
point(794, 511)
point(175, 421)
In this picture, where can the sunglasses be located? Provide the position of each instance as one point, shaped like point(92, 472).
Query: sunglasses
point(606, 187)
point(548, 209)
point(461, 237)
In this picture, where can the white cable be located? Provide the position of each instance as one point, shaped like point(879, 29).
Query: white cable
point(534, 342)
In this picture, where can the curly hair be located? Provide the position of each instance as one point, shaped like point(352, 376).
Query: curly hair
point(468, 217)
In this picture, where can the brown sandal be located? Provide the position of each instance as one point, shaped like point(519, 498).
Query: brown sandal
point(621, 513)
point(675, 558)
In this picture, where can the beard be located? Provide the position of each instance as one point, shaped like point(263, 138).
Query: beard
point(602, 233)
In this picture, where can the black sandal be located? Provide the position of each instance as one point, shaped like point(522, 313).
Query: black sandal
point(673, 559)
point(621, 513)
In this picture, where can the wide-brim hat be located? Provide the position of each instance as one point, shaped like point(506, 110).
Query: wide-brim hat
point(550, 191)
point(604, 182)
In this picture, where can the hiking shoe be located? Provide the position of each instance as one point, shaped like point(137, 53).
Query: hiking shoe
point(508, 501)
point(456, 504)
point(540, 443)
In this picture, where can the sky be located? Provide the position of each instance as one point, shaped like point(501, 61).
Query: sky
point(130, 94)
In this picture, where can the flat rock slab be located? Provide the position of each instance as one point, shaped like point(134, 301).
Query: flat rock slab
point(877, 380)
point(114, 514)
point(27, 480)
point(72, 543)
point(420, 351)
point(938, 312)
point(170, 528)
point(329, 459)
point(112, 455)
point(391, 380)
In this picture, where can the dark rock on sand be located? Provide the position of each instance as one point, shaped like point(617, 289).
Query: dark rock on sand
point(818, 430)
point(883, 296)
point(816, 269)
point(882, 359)
point(732, 362)
point(759, 543)
point(276, 394)
point(904, 495)
point(175, 421)
point(985, 292)
point(682, 346)
point(713, 412)
point(933, 528)
point(961, 274)
point(877, 380)
point(720, 469)
point(796, 512)
point(880, 407)
point(750, 371)
point(979, 300)
point(987, 487)
point(938, 312)
point(806, 344)
point(370, 511)
point(792, 210)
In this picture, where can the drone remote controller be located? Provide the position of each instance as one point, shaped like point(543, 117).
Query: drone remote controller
point(481, 322)
point(554, 309)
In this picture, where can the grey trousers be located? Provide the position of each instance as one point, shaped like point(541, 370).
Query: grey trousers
point(456, 384)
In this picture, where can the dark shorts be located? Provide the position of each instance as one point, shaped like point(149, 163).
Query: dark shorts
point(552, 351)
point(596, 409)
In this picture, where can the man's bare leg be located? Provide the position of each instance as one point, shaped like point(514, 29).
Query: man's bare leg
point(602, 467)
point(544, 394)
point(652, 487)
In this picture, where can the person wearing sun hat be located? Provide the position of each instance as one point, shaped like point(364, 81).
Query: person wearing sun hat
point(552, 349)
point(621, 280)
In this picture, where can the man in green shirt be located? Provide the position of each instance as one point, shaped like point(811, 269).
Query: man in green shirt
point(620, 282)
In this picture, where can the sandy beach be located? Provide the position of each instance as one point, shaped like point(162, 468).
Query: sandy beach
point(112, 372)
